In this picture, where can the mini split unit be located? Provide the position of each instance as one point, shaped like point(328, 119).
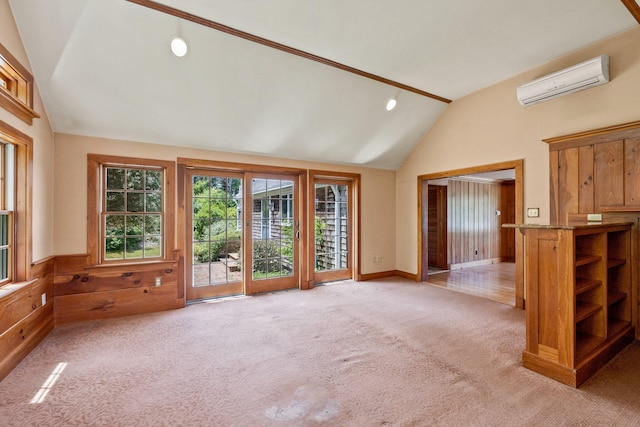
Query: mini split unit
point(587, 74)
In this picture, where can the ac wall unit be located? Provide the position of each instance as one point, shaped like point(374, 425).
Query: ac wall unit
point(584, 75)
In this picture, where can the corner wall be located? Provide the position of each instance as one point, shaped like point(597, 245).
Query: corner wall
point(489, 126)
point(25, 316)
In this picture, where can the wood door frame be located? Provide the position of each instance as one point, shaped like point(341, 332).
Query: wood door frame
point(518, 166)
point(353, 181)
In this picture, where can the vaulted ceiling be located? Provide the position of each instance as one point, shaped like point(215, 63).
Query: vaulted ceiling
point(104, 67)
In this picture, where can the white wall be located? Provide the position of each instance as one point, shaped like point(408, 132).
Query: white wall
point(43, 144)
point(489, 126)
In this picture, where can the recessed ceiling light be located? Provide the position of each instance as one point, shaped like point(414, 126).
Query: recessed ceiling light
point(179, 47)
point(391, 104)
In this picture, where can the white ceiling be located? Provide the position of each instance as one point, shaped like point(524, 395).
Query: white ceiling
point(104, 68)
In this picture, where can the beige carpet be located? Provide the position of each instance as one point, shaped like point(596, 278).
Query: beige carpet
point(375, 353)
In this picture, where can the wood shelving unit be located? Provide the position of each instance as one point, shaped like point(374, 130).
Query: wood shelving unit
point(579, 298)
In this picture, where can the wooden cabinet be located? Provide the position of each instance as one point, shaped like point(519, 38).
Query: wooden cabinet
point(579, 298)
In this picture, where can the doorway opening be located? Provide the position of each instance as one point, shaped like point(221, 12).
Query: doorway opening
point(462, 244)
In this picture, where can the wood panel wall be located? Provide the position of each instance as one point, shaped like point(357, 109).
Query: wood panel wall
point(595, 173)
point(24, 319)
point(90, 293)
point(473, 226)
point(598, 171)
point(508, 216)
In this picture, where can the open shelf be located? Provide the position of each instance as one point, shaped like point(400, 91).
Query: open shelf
point(584, 284)
point(615, 262)
point(615, 326)
point(584, 259)
point(585, 309)
point(579, 287)
point(586, 344)
point(614, 297)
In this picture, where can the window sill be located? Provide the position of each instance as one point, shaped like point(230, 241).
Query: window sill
point(17, 108)
point(10, 288)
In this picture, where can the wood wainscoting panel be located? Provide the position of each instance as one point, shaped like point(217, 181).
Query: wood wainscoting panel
point(27, 315)
point(114, 303)
point(98, 292)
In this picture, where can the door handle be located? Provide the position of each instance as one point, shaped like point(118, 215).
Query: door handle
point(298, 235)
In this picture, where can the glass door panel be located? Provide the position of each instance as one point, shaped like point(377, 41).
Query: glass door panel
point(215, 235)
point(332, 241)
point(274, 233)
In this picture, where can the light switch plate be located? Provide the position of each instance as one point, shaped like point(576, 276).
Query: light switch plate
point(533, 212)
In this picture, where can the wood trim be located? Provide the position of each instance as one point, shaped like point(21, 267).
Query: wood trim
point(374, 276)
point(17, 108)
point(633, 8)
point(14, 136)
point(512, 164)
point(23, 193)
point(324, 174)
point(278, 46)
point(405, 275)
point(19, 105)
point(304, 245)
point(93, 229)
point(386, 274)
point(222, 166)
point(519, 217)
point(181, 238)
point(594, 136)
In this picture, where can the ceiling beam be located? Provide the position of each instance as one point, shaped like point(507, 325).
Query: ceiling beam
point(288, 49)
point(633, 7)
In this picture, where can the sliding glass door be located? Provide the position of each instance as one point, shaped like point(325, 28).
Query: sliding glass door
point(273, 233)
point(333, 231)
point(214, 235)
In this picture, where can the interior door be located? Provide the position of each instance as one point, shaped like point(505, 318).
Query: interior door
point(272, 232)
point(437, 226)
point(214, 231)
point(333, 253)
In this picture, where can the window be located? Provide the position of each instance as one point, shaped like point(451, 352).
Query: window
point(16, 87)
point(7, 184)
point(16, 151)
point(132, 213)
point(133, 209)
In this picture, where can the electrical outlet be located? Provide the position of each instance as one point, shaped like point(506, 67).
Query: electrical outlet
point(159, 281)
point(533, 212)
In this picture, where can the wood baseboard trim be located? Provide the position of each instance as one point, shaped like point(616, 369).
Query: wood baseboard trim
point(475, 263)
point(374, 276)
point(410, 276)
point(387, 274)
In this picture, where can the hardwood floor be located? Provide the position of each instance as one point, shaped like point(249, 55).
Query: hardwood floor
point(496, 282)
